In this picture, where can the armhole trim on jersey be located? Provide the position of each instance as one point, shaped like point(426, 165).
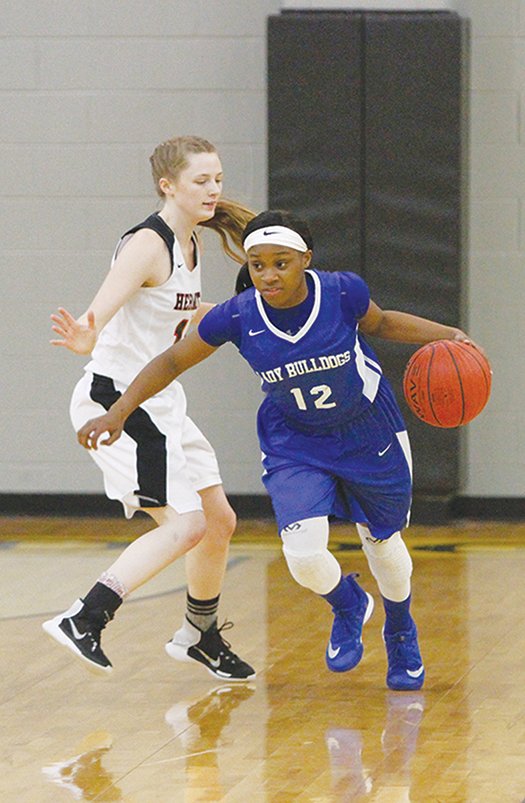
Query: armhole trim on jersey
point(195, 240)
point(160, 227)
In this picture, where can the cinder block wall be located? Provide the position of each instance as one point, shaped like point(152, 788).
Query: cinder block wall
point(89, 88)
point(495, 444)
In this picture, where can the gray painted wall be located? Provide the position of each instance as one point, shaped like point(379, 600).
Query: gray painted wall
point(88, 88)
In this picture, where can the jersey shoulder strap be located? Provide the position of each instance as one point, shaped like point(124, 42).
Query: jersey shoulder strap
point(156, 223)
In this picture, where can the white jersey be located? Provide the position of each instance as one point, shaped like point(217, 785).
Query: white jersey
point(153, 318)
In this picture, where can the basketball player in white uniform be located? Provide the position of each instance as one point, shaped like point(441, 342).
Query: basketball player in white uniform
point(163, 464)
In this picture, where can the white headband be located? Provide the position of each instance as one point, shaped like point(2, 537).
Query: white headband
point(275, 235)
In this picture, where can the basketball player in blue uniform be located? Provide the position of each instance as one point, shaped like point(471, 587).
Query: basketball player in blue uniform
point(332, 437)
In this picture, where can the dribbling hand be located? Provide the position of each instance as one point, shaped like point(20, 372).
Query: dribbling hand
point(461, 337)
point(89, 435)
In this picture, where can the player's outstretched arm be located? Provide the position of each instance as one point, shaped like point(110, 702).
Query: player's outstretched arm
point(153, 378)
point(143, 262)
point(406, 328)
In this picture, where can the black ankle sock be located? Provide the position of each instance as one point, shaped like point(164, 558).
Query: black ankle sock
point(102, 602)
point(202, 613)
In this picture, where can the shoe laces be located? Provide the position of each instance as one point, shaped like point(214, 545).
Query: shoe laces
point(345, 625)
point(402, 645)
point(91, 629)
point(223, 646)
point(94, 627)
point(107, 618)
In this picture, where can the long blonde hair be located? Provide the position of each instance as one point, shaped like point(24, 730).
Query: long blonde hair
point(170, 158)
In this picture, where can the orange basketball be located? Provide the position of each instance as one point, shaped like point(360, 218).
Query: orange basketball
point(447, 383)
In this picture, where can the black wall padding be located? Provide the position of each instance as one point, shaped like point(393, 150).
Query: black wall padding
point(314, 111)
point(364, 112)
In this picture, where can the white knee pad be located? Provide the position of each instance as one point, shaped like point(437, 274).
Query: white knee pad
point(389, 562)
point(305, 548)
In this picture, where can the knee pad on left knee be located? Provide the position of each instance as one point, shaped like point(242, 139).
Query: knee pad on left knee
point(305, 548)
point(390, 563)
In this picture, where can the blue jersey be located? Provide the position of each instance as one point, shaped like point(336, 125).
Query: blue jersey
point(320, 377)
point(331, 434)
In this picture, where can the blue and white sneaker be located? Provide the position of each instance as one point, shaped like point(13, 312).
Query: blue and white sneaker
point(345, 648)
point(405, 665)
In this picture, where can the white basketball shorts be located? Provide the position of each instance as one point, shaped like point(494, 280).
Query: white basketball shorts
point(161, 458)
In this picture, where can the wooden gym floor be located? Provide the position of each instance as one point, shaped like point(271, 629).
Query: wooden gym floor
point(158, 731)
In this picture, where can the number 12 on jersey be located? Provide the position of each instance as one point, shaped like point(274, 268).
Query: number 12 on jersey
point(322, 392)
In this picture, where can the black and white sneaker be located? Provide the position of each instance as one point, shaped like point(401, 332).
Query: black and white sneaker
point(81, 635)
point(209, 649)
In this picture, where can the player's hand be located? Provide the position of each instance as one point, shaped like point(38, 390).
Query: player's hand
point(89, 435)
point(464, 338)
point(77, 337)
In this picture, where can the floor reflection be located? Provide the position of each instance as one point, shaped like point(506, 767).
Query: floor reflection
point(83, 774)
point(390, 779)
point(345, 749)
point(201, 727)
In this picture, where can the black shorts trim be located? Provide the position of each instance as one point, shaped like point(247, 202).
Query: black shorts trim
point(152, 456)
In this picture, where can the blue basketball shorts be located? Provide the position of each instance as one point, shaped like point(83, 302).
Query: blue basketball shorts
point(361, 474)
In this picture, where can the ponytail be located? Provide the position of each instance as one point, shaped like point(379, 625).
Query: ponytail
point(229, 221)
